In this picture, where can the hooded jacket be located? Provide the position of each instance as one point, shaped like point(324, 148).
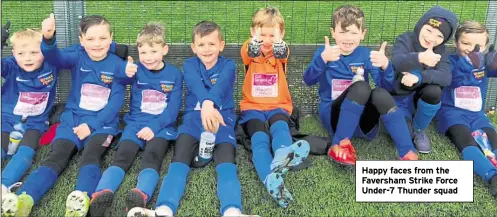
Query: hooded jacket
point(407, 48)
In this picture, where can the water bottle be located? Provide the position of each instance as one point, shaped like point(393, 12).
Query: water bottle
point(16, 136)
point(359, 75)
point(206, 146)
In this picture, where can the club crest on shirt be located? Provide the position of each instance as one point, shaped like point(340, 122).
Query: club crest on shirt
point(479, 74)
point(107, 79)
point(46, 79)
point(167, 87)
point(213, 80)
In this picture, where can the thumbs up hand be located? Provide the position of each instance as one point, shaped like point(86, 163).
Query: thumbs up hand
point(48, 26)
point(280, 49)
point(379, 58)
point(131, 67)
point(476, 57)
point(330, 53)
point(429, 58)
point(254, 46)
point(492, 58)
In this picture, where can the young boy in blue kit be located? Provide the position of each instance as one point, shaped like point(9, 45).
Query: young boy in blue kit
point(209, 104)
point(27, 93)
point(90, 119)
point(422, 67)
point(150, 124)
point(348, 106)
point(461, 116)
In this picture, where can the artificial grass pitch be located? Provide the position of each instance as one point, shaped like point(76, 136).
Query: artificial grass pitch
point(321, 190)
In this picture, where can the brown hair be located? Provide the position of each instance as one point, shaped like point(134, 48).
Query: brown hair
point(348, 15)
point(204, 28)
point(268, 17)
point(470, 26)
point(152, 33)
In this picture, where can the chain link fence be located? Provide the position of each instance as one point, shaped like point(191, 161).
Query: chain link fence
point(306, 24)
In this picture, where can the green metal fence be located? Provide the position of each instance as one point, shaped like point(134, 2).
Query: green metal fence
point(306, 24)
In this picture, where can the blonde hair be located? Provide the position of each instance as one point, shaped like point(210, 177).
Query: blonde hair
point(470, 26)
point(348, 15)
point(268, 17)
point(31, 35)
point(152, 33)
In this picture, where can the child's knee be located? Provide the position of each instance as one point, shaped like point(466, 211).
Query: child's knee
point(224, 153)
point(126, 154)
point(61, 152)
point(359, 92)
point(431, 94)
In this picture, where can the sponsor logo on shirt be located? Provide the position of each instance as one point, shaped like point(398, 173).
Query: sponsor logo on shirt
point(107, 79)
point(479, 74)
point(46, 79)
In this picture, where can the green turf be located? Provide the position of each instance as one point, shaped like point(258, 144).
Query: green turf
point(322, 190)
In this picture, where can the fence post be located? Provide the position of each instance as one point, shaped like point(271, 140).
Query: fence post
point(491, 24)
point(67, 16)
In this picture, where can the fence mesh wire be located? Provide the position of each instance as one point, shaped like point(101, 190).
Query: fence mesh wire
point(306, 22)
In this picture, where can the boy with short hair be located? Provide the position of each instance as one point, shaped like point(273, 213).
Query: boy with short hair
point(267, 100)
point(348, 106)
point(209, 103)
point(150, 124)
point(28, 95)
point(462, 116)
point(421, 63)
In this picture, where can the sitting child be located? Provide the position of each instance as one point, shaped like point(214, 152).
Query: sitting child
point(420, 60)
point(462, 117)
point(267, 101)
point(348, 106)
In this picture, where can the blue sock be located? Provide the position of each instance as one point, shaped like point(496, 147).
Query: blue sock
point(147, 181)
point(173, 186)
point(228, 187)
point(397, 128)
point(18, 165)
point(281, 135)
point(38, 182)
point(3, 154)
point(350, 114)
point(481, 165)
point(111, 179)
point(88, 177)
point(424, 114)
point(261, 155)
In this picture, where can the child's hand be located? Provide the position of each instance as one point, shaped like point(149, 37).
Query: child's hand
point(429, 58)
point(409, 79)
point(146, 134)
point(492, 58)
point(330, 53)
point(211, 118)
point(254, 46)
point(82, 131)
point(48, 27)
point(131, 67)
point(378, 58)
point(280, 50)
